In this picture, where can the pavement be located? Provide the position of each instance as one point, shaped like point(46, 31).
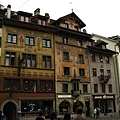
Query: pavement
point(106, 118)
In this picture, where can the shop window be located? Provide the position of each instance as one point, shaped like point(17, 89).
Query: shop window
point(66, 71)
point(65, 88)
point(12, 38)
point(94, 72)
point(85, 88)
point(29, 40)
point(65, 56)
point(95, 88)
point(12, 85)
point(10, 59)
point(46, 43)
point(81, 58)
point(82, 72)
point(46, 62)
point(30, 60)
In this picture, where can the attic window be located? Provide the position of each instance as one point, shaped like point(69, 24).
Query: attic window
point(66, 25)
point(103, 46)
point(76, 28)
point(40, 22)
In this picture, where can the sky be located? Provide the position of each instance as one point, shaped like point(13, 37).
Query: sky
point(102, 17)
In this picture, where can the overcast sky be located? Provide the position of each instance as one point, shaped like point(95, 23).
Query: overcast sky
point(101, 17)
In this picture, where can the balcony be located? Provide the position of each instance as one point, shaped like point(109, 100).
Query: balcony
point(103, 79)
point(75, 93)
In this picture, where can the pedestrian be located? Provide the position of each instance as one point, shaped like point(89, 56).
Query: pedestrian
point(53, 115)
point(40, 116)
point(79, 114)
point(67, 115)
point(2, 117)
point(95, 113)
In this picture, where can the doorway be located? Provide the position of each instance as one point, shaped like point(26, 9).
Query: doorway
point(10, 111)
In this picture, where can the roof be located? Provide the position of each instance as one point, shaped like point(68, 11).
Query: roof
point(72, 16)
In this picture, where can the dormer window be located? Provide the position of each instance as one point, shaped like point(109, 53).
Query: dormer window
point(27, 19)
point(79, 43)
point(40, 22)
point(44, 23)
point(89, 43)
point(66, 25)
point(65, 40)
point(103, 46)
point(22, 18)
point(76, 28)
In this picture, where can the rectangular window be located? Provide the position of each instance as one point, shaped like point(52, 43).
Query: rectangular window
point(44, 22)
point(93, 57)
point(12, 85)
point(90, 43)
point(101, 72)
point(10, 59)
point(85, 88)
point(28, 85)
point(0, 41)
point(107, 59)
point(103, 88)
point(12, 38)
point(26, 19)
point(76, 28)
point(66, 71)
point(103, 46)
point(30, 60)
point(110, 88)
point(100, 58)
point(65, 56)
point(66, 25)
point(65, 88)
point(65, 40)
point(82, 72)
point(76, 86)
point(95, 88)
point(22, 18)
point(29, 40)
point(94, 72)
point(81, 58)
point(109, 72)
point(80, 43)
point(46, 86)
point(46, 43)
point(46, 62)
point(40, 22)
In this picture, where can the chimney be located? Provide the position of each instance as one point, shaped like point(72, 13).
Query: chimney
point(9, 11)
point(47, 15)
point(37, 12)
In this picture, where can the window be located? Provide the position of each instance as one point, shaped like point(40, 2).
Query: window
point(46, 86)
point(10, 59)
point(81, 58)
point(65, 88)
point(44, 23)
point(80, 43)
point(94, 72)
point(108, 72)
point(66, 25)
point(28, 85)
point(46, 62)
point(107, 59)
point(40, 22)
point(90, 43)
point(66, 71)
point(110, 88)
point(65, 56)
point(101, 72)
point(27, 19)
point(12, 38)
point(76, 28)
point(100, 58)
point(93, 57)
point(29, 40)
point(30, 60)
point(103, 46)
point(0, 41)
point(22, 18)
point(85, 88)
point(65, 40)
point(46, 43)
point(12, 85)
point(103, 88)
point(82, 72)
point(95, 88)
point(76, 86)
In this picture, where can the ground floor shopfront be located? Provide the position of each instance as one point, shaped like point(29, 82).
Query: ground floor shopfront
point(107, 104)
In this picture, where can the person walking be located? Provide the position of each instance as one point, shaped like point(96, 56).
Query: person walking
point(79, 114)
point(40, 116)
point(53, 115)
point(67, 115)
point(95, 113)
